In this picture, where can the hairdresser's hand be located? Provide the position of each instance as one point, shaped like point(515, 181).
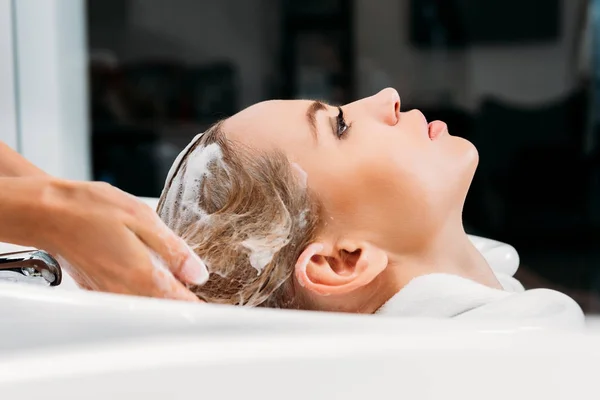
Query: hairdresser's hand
point(113, 242)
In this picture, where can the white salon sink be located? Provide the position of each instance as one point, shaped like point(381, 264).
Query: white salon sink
point(77, 345)
point(36, 318)
point(72, 344)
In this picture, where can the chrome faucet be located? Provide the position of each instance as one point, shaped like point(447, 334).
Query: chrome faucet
point(34, 266)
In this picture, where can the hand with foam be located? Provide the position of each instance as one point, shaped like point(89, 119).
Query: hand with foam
point(106, 239)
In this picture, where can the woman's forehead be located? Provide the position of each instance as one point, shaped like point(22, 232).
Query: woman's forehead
point(259, 112)
point(267, 120)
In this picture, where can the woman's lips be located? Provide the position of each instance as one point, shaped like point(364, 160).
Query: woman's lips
point(437, 128)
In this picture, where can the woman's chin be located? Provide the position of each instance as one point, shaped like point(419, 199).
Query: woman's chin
point(473, 155)
point(467, 153)
point(466, 162)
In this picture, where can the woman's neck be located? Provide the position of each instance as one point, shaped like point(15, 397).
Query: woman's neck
point(465, 260)
point(450, 251)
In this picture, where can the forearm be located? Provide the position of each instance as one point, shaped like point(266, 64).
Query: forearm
point(22, 214)
point(12, 164)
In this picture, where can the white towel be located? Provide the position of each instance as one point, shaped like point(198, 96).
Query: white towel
point(451, 296)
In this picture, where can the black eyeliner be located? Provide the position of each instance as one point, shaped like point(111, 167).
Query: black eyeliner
point(341, 123)
point(341, 114)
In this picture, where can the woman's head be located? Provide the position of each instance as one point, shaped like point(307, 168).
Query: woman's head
point(245, 213)
point(376, 187)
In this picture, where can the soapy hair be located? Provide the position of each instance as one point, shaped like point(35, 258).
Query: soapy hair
point(246, 214)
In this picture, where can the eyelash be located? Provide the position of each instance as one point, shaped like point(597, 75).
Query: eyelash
point(342, 126)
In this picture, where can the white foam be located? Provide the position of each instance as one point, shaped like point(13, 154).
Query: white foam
point(197, 169)
point(302, 219)
point(262, 250)
point(179, 158)
point(184, 193)
point(301, 174)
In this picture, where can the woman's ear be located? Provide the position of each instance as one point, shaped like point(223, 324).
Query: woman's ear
point(339, 268)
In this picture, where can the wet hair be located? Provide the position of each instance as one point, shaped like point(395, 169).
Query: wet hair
point(246, 214)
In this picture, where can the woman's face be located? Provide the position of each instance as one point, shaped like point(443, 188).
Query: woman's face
point(383, 174)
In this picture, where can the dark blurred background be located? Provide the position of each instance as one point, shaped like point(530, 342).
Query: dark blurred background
point(519, 78)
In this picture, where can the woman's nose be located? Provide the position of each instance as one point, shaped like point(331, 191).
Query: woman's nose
point(388, 105)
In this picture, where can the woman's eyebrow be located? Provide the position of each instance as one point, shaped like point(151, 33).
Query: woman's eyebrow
point(311, 117)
